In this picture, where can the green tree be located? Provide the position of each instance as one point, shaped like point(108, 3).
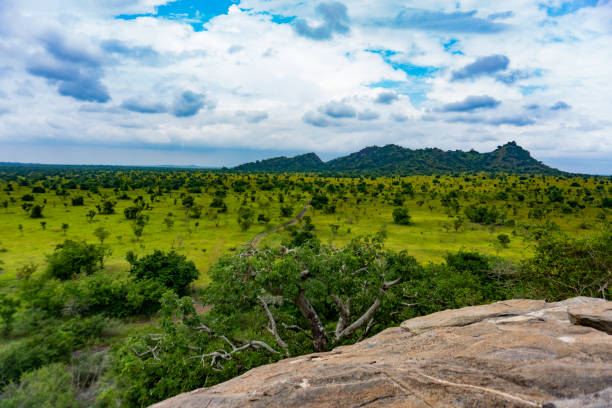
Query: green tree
point(101, 234)
point(503, 240)
point(245, 217)
point(36, 212)
point(71, 258)
point(565, 267)
point(78, 201)
point(170, 269)
point(401, 216)
point(65, 227)
point(90, 215)
point(108, 208)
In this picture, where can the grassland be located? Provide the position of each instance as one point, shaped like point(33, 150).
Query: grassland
point(357, 212)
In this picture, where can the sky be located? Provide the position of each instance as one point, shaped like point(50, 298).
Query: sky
point(221, 82)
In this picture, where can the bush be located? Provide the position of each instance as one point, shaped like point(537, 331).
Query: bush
point(108, 208)
point(565, 267)
point(503, 239)
point(71, 258)
point(172, 270)
point(53, 344)
point(286, 211)
point(48, 387)
point(401, 216)
point(36, 212)
point(131, 212)
point(78, 201)
point(481, 215)
point(319, 201)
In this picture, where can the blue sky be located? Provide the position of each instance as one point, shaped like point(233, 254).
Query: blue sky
point(216, 83)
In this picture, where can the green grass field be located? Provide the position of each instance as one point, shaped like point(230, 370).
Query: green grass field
point(203, 240)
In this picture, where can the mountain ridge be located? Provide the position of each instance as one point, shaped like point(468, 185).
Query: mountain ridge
point(398, 160)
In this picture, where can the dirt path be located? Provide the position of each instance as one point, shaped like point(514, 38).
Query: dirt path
point(255, 241)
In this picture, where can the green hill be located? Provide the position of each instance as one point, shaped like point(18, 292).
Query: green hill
point(393, 159)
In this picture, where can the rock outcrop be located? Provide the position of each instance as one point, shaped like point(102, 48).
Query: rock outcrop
point(516, 353)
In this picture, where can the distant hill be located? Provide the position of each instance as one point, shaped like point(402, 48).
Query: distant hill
point(394, 159)
point(308, 162)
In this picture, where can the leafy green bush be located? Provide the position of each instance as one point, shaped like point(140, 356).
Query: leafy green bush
point(170, 269)
point(566, 267)
point(481, 214)
point(401, 216)
point(36, 211)
point(48, 387)
point(72, 258)
point(54, 343)
point(78, 201)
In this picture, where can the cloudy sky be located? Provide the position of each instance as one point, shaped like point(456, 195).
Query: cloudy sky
point(220, 82)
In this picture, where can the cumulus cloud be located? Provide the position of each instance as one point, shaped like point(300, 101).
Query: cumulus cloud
point(76, 70)
point(560, 105)
point(513, 76)
point(368, 115)
point(140, 106)
point(253, 116)
point(398, 117)
point(189, 103)
point(386, 98)
point(338, 110)
point(123, 49)
point(335, 21)
point(501, 15)
point(482, 66)
point(471, 103)
point(517, 120)
point(458, 21)
point(91, 56)
point(316, 119)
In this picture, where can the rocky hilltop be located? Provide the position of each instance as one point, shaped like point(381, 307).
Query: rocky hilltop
point(396, 160)
point(516, 353)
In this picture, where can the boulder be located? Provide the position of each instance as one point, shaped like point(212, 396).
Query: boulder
point(516, 353)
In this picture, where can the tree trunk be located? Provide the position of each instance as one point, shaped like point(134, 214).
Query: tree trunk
point(319, 337)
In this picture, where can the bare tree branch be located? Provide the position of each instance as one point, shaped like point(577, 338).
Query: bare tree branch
point(387, 285)
point(296, 328)
point(225, 355)
point(367, 330)
point(361, 321)
point(319, 336)
point(272, 326)
point(345, 313)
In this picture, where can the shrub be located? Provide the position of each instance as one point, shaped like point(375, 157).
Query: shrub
point(53, 344)
point(286, 211)
point(565, 267)
point(503, 239)
point(78, 201)
point(481, 215)
point(49, 386)
point(108, 208)
point(131, 212)
point(36, 212)
point(319, 201)
point(401, 216)
point(71, 258)
point(172, 270)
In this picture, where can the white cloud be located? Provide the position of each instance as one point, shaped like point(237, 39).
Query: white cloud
point(269, 84)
